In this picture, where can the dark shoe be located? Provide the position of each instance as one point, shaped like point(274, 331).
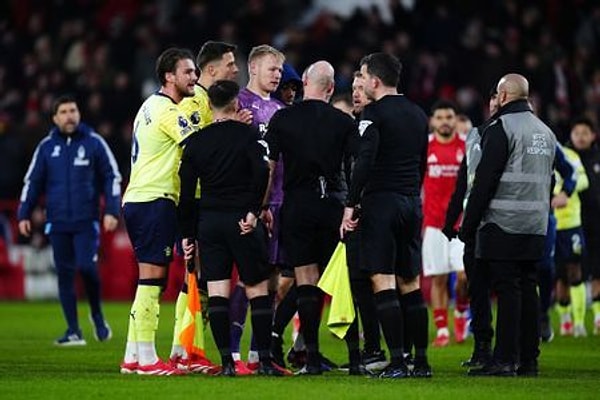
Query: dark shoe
point(528, 369)
point(494, 369)
point(374, 360)
point(409, 361)
point(102, 331)
point(228, 369)
point(268, 369)
point(482, 355)
point(327, 364)
point(310, 370)
point(395, 372)
point(277, 351)
point(421, 370)
point(546, 332)
point(358, 369)
point(70, 338)
point(297, 359)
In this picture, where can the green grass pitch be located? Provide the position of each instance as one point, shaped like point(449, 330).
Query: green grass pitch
point(32, 368)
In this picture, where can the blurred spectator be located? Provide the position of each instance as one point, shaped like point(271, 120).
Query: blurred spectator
point(105, 52)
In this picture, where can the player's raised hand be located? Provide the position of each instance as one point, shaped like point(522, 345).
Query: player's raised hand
point(244, 115)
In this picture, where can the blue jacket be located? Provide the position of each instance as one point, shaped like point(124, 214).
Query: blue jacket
point(72, 171)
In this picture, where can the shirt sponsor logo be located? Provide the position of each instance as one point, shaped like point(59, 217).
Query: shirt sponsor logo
point(55, 151)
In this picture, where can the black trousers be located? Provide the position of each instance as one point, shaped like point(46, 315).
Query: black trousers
point(517, 325)
point(479, 295)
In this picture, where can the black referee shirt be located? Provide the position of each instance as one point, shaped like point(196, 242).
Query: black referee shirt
point(313, 138)
point(231, 163)
point(392, 152)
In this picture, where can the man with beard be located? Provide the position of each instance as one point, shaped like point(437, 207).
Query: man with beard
point(150, 203)
point(441, 256)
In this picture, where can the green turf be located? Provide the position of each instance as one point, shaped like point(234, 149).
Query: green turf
point(32, 368)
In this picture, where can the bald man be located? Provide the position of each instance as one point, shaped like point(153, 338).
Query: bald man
point(312, 138)
point(507, 214)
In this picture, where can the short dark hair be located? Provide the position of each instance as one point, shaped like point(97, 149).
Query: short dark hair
point(444, 105)
point(212, 51)
point(346, 97)
point(384, 66)
point(60, 100)
point(222, 92)
point(584, 121)
point(167, 61)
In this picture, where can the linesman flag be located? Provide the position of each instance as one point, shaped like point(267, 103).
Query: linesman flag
point(336, 283)
point(192, 325)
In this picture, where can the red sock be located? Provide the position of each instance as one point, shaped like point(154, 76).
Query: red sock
point(440, 318)
point(462, 304)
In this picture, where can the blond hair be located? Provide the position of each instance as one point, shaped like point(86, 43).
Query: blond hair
point(264, 50)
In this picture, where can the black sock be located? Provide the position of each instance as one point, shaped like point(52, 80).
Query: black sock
point(417, 322)
point(261, 312)
point(218, 312)
point(352, 342)
point(309, 301)
point(408, 343)
point(285, 311)
point(365, 301)
point(390, 317)
point(596, 298)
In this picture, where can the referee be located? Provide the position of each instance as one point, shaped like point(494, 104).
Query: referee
point(231, 163)
point(386, 182)
point(312, 138)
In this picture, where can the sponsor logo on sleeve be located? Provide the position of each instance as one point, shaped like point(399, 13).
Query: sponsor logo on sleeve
point(363, 125)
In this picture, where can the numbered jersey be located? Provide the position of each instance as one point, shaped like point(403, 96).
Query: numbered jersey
point(159, 130)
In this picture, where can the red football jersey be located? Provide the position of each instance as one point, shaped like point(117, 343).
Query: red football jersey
point(443, 162)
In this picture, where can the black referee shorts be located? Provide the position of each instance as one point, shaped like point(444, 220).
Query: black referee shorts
point(352, 240)
point(310, 227)
point(221, 245)
point(390, 238)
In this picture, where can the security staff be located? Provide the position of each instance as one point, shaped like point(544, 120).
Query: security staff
point(507, 213)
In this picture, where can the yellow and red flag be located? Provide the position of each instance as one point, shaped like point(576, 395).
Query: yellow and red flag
point(192, 326)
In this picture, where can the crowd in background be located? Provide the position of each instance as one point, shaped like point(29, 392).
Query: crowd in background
point(104, 53)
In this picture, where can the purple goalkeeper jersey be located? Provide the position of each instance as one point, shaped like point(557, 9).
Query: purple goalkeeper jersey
point(262, 111)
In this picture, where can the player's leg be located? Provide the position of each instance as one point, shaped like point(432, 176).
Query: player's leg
point(362, 293)
point(481, 309)
point(64, 260)
point(436, 258)
point(562, 257)
point(377, 255)
point(250, 255)
point(546, 272)
point(86, 257)
point(461, 304)
point(153, 253)
point(286, 307)
point(408, 267)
